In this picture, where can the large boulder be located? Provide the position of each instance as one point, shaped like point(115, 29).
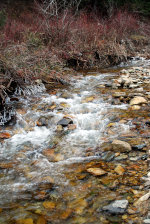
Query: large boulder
point(121, 146)
point(65, 122)
point(138, 100)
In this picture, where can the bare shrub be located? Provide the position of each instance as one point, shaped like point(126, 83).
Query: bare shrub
point(55, 7)
point(69, 32)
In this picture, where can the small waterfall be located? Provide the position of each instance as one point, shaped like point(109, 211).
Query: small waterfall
point(8, 112)
point(30, 90)
point(6, 115)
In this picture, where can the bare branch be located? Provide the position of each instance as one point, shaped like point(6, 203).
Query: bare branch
point(54, 7)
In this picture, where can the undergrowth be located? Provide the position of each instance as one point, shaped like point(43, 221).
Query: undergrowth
point(37, 46)
point(35, 43)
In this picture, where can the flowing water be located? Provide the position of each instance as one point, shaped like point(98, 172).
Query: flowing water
point(43, 175)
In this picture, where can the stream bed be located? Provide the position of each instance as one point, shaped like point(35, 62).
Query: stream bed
point(59, 160)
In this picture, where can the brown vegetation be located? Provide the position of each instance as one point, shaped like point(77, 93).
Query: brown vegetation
point(38, 44)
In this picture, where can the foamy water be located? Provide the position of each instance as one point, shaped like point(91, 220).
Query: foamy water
point(26, 147)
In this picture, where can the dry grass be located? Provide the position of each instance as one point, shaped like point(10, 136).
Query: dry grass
point(35, 44)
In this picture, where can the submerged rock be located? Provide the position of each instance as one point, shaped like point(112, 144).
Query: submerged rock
point(88, 99)
point(108, 156)
point(119, 170)
point(65, 122)
point(59, 128)
point(49, 204)
point(121, 146)
point(96, 171)
point(44, 121)
point(72, 127)
point(117, 207)
point(41, 220)
point(25, 221)
point(5, 135)
point(138, 147)
point(119, 94)
point(121, 157)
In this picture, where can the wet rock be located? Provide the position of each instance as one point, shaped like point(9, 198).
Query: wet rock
point(14, 99)
point(58, 157)
point(111, 125)
point(65, 95)
point(147, 123)
point(115, 102)
point(125, 81)
point(5, 135)
point(72, 127)
point(144, 157)
point(25, 221)
point(44, 121)
point(108, 84)
point(146, 135)
point(120, 146)
point(47, 179)
point(119, 170)
point(88, 99)
point(146, 221)
point(122, 121)
point(40, 195)
point(134, 158)
point(117, 207)
point(135, 107)
point(121, 157)
point(59, 128)
point(6, 165)
point(108, 156)
point(66, 214)
point(64, 105)
point(65, 122)
point(38, 81)
point(106, 146)
point(115, 85)
point(119, 94)
point(41, 220)
point(44, 185)
point(139, 89)
point(52, 107)
point(138, 147)
point(132, 86)
point(52, 156)
point(49, 205)
point(142, 199)
point(78, 205)
point(131, 211)
point(21, 111)
point(96, 171)
point(138, 100)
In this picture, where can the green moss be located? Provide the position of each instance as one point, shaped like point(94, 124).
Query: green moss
point(3, 18)
point(138, 37)
point(33, 40)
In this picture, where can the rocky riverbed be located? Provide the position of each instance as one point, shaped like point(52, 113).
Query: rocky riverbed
point(79, 154)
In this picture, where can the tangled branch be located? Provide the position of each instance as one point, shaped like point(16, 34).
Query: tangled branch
point(54, 7)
